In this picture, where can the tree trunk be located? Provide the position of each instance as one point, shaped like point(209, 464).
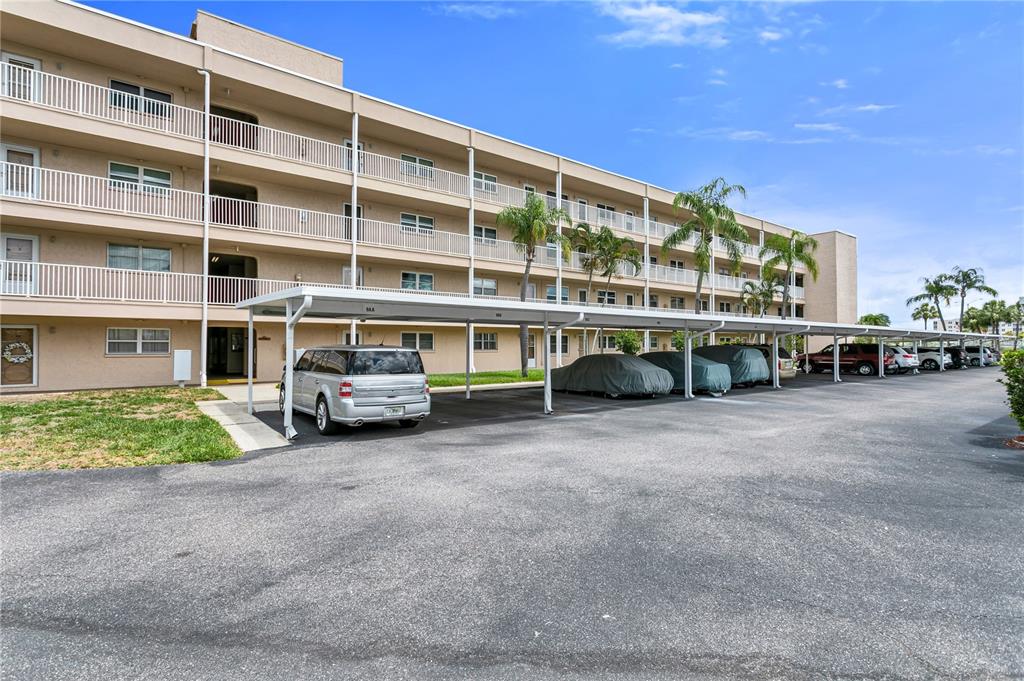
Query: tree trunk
point(938, 306)
point(590, 293)
point(700, 281)
point(524, 330)
point(963, 299)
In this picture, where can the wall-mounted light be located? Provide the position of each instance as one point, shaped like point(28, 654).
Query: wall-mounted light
point(215, 258)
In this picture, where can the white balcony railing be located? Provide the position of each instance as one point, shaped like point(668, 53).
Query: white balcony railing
point(499, 194)
point(748, 250)
point(390, 235)
point(796, 291)
point(412, 174)
point(730, 283)
point(96, 101)
point(675, 275)
point(79, 282)
point(44, 185)
point(229, 132)
point(267, 217)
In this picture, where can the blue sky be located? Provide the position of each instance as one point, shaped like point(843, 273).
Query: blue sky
point(901, 123)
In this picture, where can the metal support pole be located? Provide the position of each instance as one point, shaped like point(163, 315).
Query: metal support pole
point(249, 371)
point(881, 358)
point(775, 362)
point(205, 323)
point(807, 352)
point(942, 353)
point(289, 372)
point(354, 260)
point(647, 264)
point(835, 359)
point(547, 374)
point(688, 359)
point(469, 355)
point(917, 368)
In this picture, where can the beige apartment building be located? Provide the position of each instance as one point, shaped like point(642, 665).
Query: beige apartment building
point(113, 189)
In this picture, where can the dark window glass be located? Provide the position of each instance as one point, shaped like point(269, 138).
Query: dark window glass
point(305, 361)
point(318, 360)
point(334, 362)
point(376, 362)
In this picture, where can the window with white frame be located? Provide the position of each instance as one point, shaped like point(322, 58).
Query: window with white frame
point(529, 189)
point(549, 293)
point(485, 340)
point(629, 222)
point(418, 340)
point(676, 264)
point(131, 341)
point(485, 287)
point(485, 234)
point(704, 305)
point(582, 295)
point(553, 344)
point(653, 259)
point(605, 212)
point(135, 97)
point(418, 281)
point(415, 165)
point(652, 300)
point(485, 182)
point(724, 306)
point(348, 338)
point(607, 342)
point(346, 276)
point(126, 176)
point(605, 297)
point(124, 257)
point(417, 223)
point(630, 299)
point(552, 199)
point(677, 303)
point(654, 342)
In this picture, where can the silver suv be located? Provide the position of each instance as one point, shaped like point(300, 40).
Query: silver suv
point(357, 384)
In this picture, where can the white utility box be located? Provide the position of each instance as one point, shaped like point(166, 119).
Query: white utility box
point(182, 367)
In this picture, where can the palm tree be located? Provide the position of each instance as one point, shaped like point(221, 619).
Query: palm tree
point(994, 312)
point(1015, 315)
point(973, 319)
point(934, 291)
point(965, 281)
point(532, 224)
point(588, 242)
point(787, 252)
point(759, 295)
point(925, 311)
point(613, 252)
point(709, 217)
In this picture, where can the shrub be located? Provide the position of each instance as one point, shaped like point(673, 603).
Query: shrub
point(1013, 379)
point(679, 341)
point(628, 341)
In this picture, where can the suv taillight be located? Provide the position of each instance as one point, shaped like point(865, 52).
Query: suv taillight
point(345, 389)
point(908, 357)
point(426, 388)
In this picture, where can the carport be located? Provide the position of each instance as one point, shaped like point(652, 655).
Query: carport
point(366, 304)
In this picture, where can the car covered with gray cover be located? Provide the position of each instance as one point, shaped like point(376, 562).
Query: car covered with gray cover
point(747, 365)
point(612, 375)
point(708, 376)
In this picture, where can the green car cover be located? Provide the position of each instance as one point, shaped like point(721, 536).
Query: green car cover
point(708, 376)
point(612, 375)
point(746, 364)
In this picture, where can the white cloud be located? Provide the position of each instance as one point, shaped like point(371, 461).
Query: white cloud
point(653, 23)
point(838, 83)
point(874, 108)
point(821, 127)
point(717, 81)
point(862, 108)
point(677, 66)
point(749, 136)
point(991, 150)
point(642, 130)
point(477, 10)
point(721, 73)
point(770, 36)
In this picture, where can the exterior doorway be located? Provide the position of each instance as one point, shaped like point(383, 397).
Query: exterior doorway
point(227, 349)
point(531, 351)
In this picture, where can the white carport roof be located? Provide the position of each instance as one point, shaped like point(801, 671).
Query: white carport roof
point(365, 304)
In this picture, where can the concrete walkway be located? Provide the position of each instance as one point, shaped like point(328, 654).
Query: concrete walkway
point(267, 392)
point(248, 432)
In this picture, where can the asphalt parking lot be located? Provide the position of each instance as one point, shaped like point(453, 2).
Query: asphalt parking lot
point(859, 531)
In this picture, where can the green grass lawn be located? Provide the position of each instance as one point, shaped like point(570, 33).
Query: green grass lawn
point(104, 428)
point(484, 378)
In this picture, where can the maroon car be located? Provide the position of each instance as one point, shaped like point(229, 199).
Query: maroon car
point(861, 358)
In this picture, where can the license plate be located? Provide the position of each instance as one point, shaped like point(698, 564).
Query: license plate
point(394, 411)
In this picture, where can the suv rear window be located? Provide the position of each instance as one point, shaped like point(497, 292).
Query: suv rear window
point(376, 362)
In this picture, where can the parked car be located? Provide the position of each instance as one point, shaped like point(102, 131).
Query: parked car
point(710, 377)
point(861, 358)
point(929, 358)
point(787, 367)
point(747, 365)
point(960, 361)
point(905, 359)
point(975, 358)
point(357, 384)
point(613, 376)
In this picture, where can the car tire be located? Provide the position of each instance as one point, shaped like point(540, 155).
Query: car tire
point(930, 365)
point(865, 369)
point(975, 362)
point(815, 368)
point(408, 423)
point(280, 401)
point(324, 424)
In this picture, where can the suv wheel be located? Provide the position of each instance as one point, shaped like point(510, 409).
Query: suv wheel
point(865, 369)
point(324, 424)
point(930, 365)
point(280, 400)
